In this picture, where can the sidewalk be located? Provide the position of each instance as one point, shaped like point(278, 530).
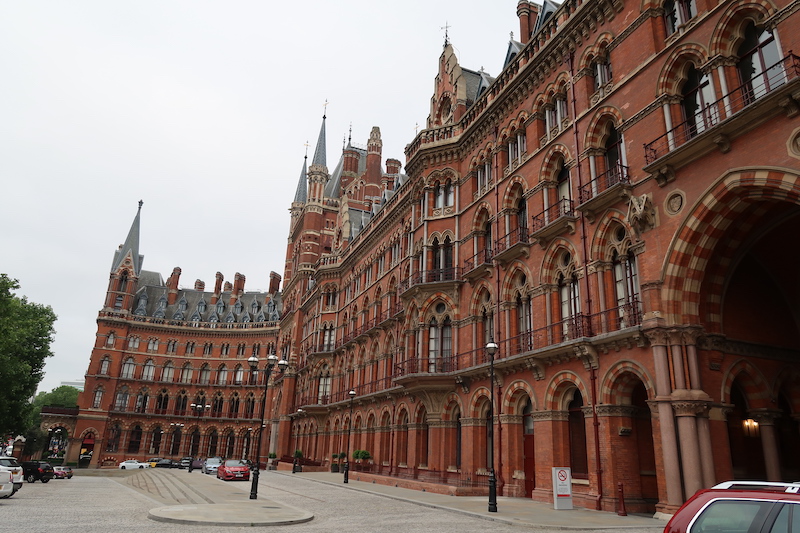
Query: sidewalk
point(206, 501)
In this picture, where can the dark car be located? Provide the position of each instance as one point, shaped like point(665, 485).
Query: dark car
point(167, 463)
point(186, 462)
point(37, 470)
point(747, 506)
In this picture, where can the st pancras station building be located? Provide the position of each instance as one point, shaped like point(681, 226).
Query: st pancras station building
point(583, 262)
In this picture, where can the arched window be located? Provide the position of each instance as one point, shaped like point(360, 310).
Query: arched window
point(569, 298)
point(98, 398)
point(677, 13)
point(152, 345)
point(168, 373)
point(180, 404)
point(121, 400)
point(149, 370)
point(238, 377)
point(524, 326)
point(141, 402)
point(522, 218)
point(249, 406)
point(697, 97)
point(114, 435)
point(194, 443)
point(442, 256)
point(155, 441)
point(186, 373)
point(128, 369)
point(213, 442)
point(563, 187)
point(205, 375)
point(222, 375)
point(175, 449)
point(613, 157)
point(162, 402)
point(217, 406)
point(135, 440)
point(577, 437)
point(110, 339)
point(233, 406)
point(440, 344)
point(626, 282)
point(760, 68)
point(104, 364)
point(230, 442)
point(324, 390)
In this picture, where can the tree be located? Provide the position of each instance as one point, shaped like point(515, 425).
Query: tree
point(26, 331)
point(63, 396)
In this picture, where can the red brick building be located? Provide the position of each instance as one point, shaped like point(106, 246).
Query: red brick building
point(617, 210)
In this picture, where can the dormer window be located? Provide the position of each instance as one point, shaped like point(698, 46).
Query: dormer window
point(237, 308)
point(254, 307)
point(201, 307)
point(183, 304)
point(220, 307)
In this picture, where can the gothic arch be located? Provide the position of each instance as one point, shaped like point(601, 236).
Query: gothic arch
point(695, 241)
point(597, 131)
point(555, 153)
point(513, 395)
point(599, 249)
point(477, 401)
point(618, 382)
point(754, 385)
point(510, 286)
point(515, 189)
point(677, 65)
point(555, 394)
point(548, 273)
point(728, 31)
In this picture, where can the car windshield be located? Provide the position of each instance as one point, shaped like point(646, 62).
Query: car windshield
point(214, 461)
point(234, 462)
point(7, 461)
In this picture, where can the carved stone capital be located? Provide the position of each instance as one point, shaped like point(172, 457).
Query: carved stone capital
point(765, 417)
point(689, 407)
point(555, 416)
point(511, 419)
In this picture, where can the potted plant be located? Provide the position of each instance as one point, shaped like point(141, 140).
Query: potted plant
point(296, 466)
point(334, 462)
point(272, 460)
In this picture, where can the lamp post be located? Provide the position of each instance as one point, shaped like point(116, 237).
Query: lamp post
point(491, 349)
point(199, 408)
point(295, 468)
point(272, 359)
point(352, 395)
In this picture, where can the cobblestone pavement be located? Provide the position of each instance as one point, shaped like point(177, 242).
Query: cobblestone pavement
point(120, 501)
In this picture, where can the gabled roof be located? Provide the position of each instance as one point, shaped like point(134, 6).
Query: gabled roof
point(514, 48)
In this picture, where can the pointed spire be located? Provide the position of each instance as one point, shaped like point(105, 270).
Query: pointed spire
point(319, 154)
point(302, 184)
point(131, 246)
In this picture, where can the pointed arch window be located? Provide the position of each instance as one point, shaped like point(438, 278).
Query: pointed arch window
point(168, 373)
point(186, 373)
point(626, 288)
point(760, 68)
point(524, 326)
point(614, 158)
point(172, 346)
point(233, 406)
point(563, 187)
point(177, 436)
point(110, 339)
point(440, 345)
point(697, 97)
point(121, 400)
point(180, 403)
point(149, 370)
point(141, 402)
point(579, 461)
point(98, 398)
point(324, 390)
point(128, 369)
point(105, 363)
point(162, 402)
point(238, 376)
point(155, 441)
point(217, 405)
point(114, 435)
point(222, 375)
point(205, 375)
point(249, 406)
point(133, 343)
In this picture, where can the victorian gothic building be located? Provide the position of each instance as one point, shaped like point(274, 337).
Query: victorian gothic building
point(615, 210)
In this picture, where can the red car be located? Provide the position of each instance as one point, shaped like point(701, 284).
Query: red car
point(746, 506)
point(233, 469)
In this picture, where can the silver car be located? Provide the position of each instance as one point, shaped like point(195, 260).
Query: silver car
point(211, 465)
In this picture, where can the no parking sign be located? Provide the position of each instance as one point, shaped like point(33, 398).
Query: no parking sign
point(562, 487)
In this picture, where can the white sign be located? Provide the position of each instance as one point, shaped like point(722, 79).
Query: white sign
point(562, 488)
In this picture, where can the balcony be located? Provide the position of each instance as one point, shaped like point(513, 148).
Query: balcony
point(555, 220)
point(430, 281)
point(736, 113)
point(478, 265)
point(604, 191)
point(512, 245)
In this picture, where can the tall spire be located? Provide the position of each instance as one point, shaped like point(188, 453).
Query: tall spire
point(130, 247)
point(302, 185)
point(319, 154)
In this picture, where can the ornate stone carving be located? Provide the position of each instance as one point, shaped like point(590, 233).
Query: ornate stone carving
point(629, 411)
point(543, 416)
point(641, 214)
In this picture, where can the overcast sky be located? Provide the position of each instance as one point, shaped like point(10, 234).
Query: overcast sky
point(202, 110)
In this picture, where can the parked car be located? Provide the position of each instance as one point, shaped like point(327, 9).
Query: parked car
point(6, 483)
point(62, 472)
point(233, 469)
point(11, 464)
point(167, 463)
point(154, 461)
point(133, 463)
point(186, 461)
point(34, 471)
point(211, 465)
point(739, 506)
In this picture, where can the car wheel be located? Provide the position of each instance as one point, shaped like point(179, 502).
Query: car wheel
point(31, 478)
point(122, 468)
point(45, 480)
point(140, 466)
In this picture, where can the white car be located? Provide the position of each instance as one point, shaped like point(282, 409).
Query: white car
point(133, 463)
point(6, 483)
point(10, 464)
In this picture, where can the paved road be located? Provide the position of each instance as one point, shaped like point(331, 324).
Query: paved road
point(118, 502)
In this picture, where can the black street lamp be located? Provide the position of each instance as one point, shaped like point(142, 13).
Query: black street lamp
point(491, 349)
point(295, 465)
point(272, 359)
point(199, 408)
point(352, 395)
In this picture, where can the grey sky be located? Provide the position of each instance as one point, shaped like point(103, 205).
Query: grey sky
point(202, 110)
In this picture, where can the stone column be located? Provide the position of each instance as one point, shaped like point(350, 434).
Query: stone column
point(686, 411)
point(769, 441)
point(669, 444)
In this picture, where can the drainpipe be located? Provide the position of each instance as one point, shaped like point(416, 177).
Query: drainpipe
point(588, 298)
point(499, 444)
